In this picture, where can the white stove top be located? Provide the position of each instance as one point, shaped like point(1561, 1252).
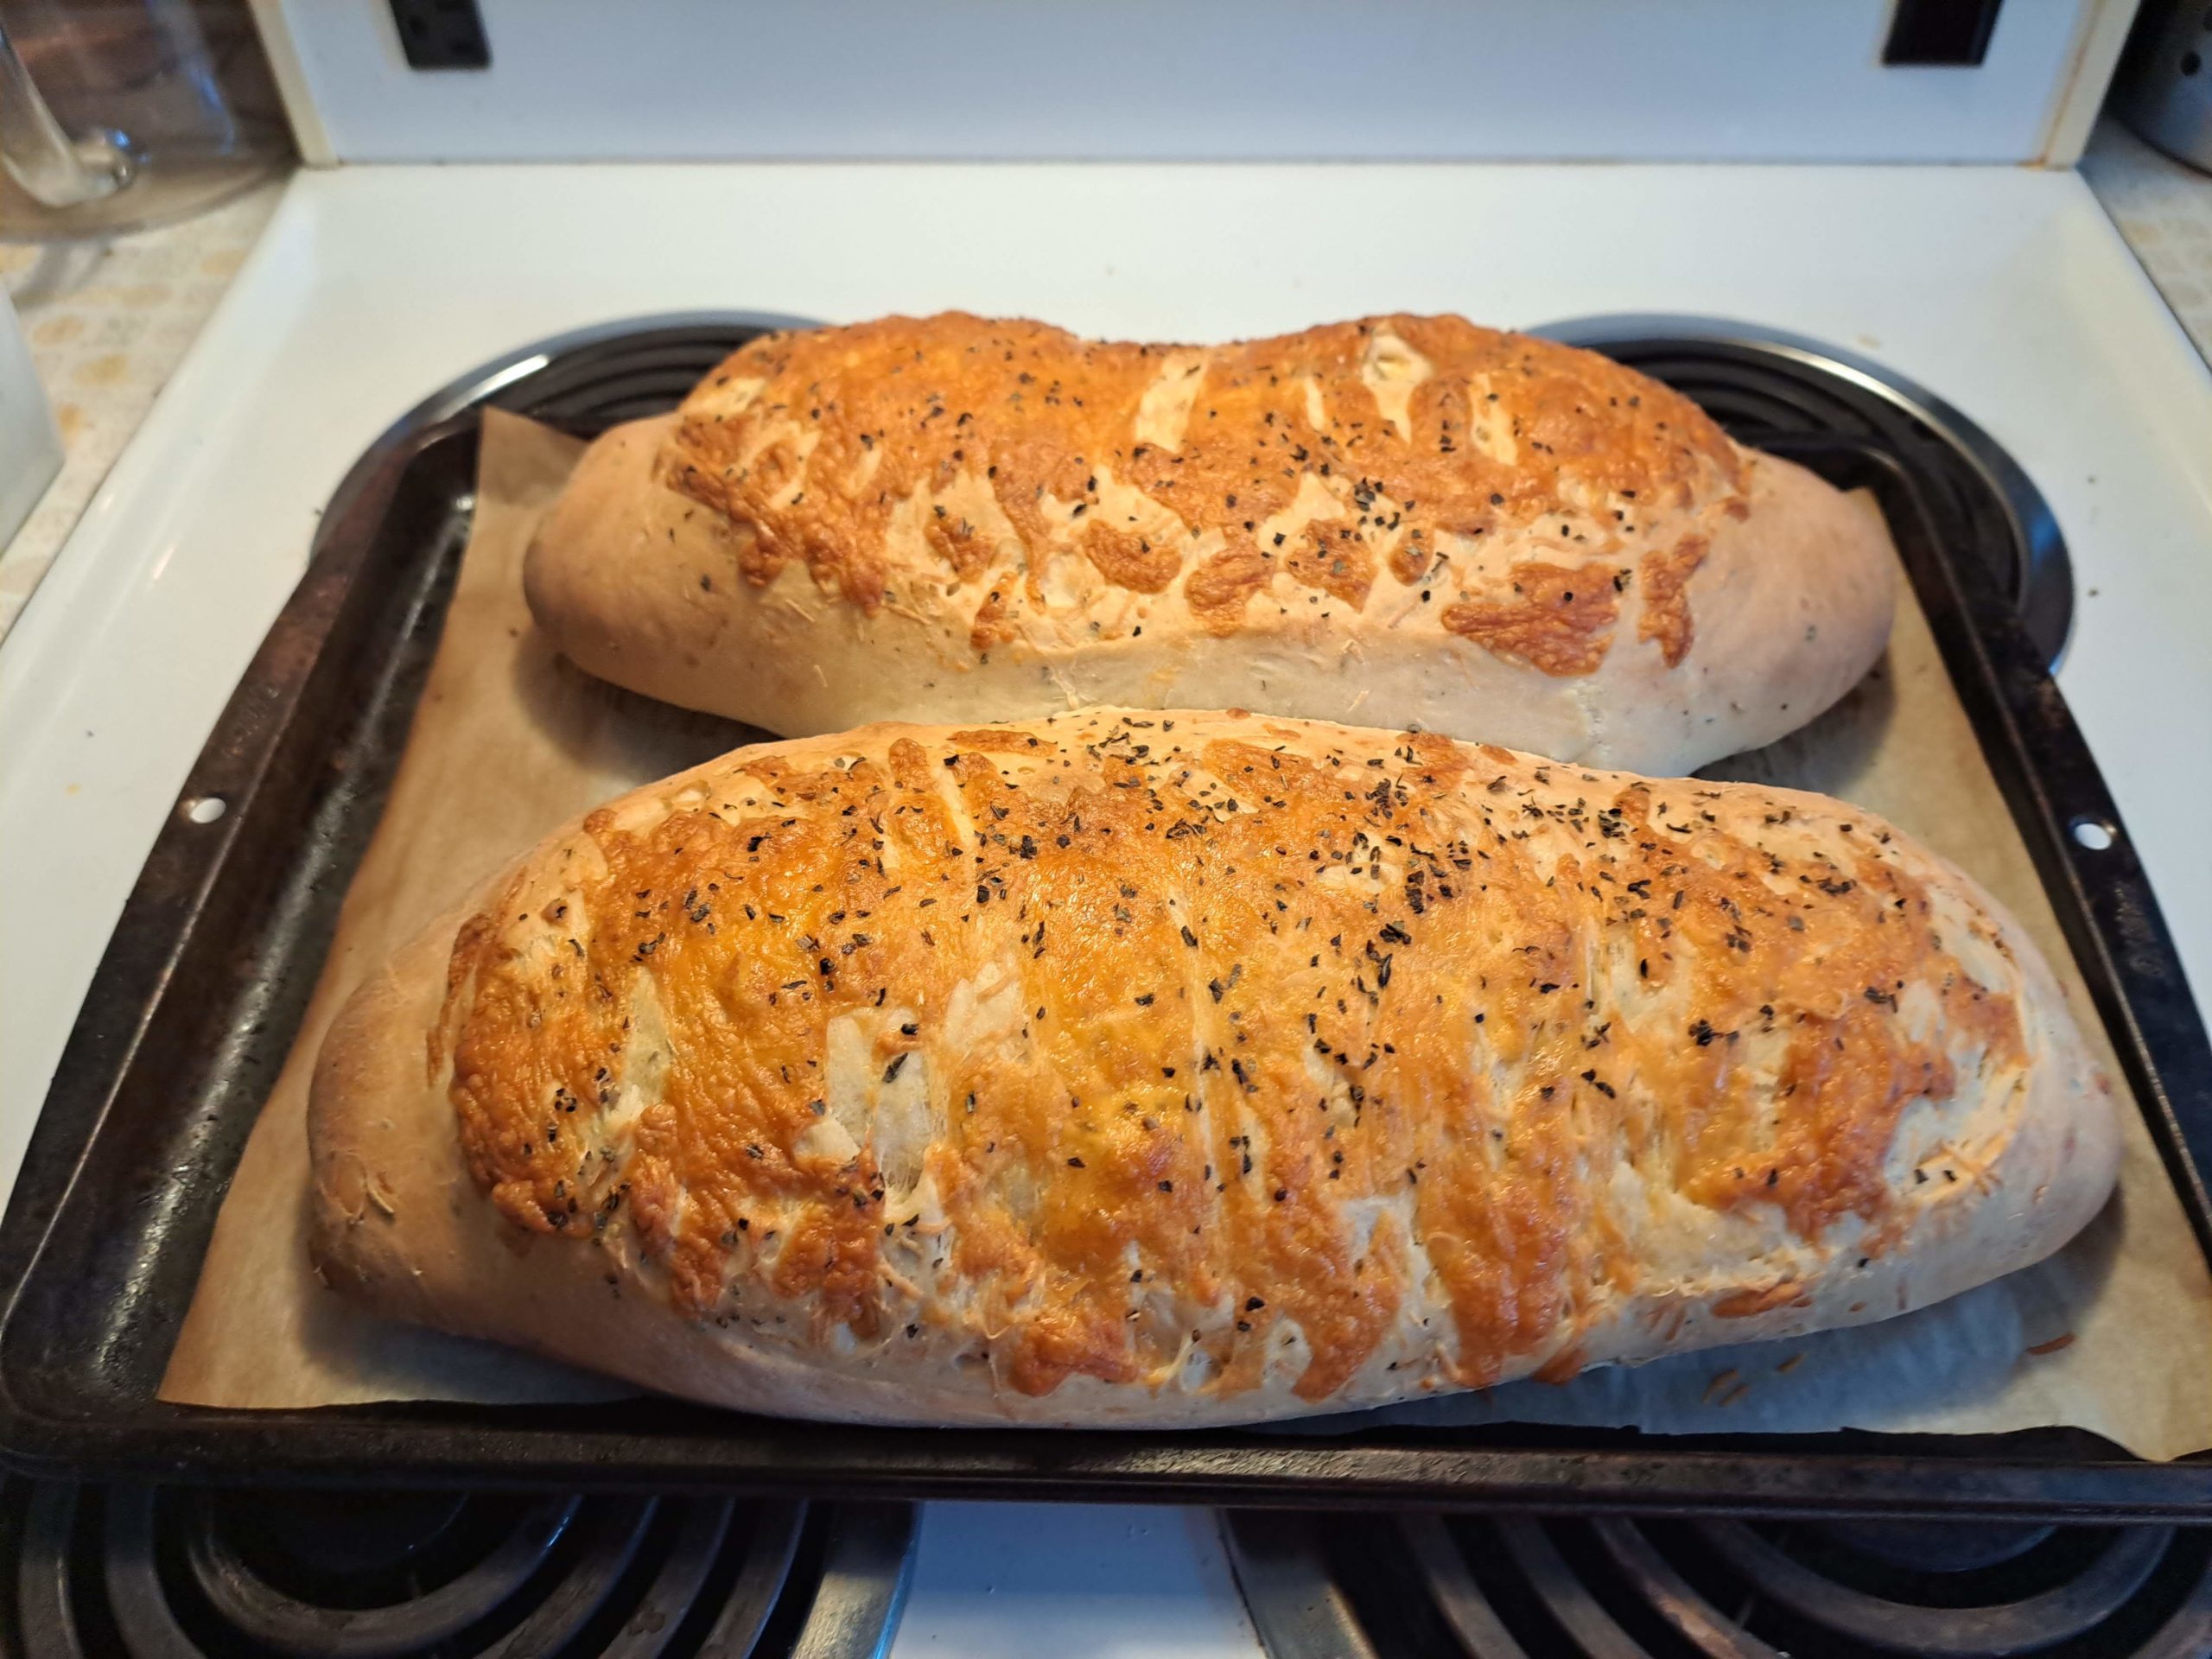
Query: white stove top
point(2004, 290)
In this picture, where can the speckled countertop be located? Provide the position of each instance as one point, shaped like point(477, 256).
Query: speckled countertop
point(2164, 210)
point(108, 321)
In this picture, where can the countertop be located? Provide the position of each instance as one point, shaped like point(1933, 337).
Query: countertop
point(2163, 211)
point(108, 321)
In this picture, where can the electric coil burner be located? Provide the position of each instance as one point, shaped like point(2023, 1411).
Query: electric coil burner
point(170, 1574)
point(145, 1573)
point(1615, 1588)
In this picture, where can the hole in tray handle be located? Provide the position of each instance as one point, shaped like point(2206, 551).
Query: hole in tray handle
point(2095, 834)
point(205, 809)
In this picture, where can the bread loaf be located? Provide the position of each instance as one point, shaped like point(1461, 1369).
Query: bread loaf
point(1165, 1068)
point(1404, 521)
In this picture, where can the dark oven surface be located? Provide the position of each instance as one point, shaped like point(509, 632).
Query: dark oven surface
point(172, 1573)
point(208, 976)
point(1612, 1587)
point(165, 1573)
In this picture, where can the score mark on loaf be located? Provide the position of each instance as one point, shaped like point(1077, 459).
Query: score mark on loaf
point(1138, 1067)
point(1402, 521)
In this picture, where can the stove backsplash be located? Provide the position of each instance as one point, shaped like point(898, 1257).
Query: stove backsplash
point(1841, 80)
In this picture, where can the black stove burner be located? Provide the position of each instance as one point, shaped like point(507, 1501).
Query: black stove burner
point(1618, 1588)
point(174, 1574)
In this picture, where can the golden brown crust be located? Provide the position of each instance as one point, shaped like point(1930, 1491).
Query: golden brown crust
point(1557, 621)
point(1666, 574)
point(1416, 435)
point(1317, 1065)
point(889, 521)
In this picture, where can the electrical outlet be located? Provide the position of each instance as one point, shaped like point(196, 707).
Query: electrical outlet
point(441, 34)
point(1940, 34)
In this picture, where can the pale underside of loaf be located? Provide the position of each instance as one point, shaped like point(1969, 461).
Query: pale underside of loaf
point(1131, 1068)
point(1402, 522)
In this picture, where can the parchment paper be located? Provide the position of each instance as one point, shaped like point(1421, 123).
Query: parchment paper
point(2113, 1335)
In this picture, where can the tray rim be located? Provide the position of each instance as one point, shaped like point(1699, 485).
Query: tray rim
point(410, 1445)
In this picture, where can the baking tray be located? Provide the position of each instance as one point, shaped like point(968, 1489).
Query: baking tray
point(203, 984)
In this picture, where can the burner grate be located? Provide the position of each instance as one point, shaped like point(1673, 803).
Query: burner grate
point(148, 1574)
point(1619, 1588)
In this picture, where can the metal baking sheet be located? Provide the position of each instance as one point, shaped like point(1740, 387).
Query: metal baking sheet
point(238, 955)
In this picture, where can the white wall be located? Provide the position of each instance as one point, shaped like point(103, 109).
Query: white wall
point(1575, 79)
